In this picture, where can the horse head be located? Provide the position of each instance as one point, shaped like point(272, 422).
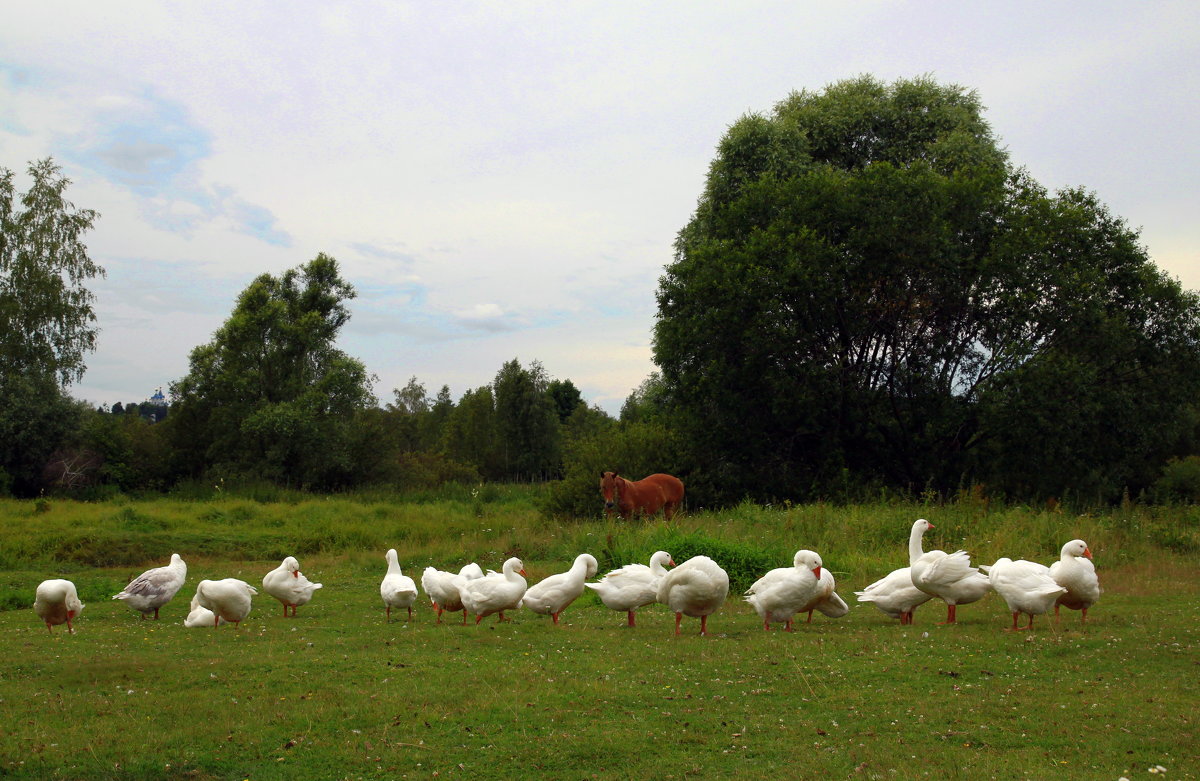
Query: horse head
point(610, 489)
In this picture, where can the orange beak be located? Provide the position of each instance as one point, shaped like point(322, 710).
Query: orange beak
point(671, 562)
point(931, 526)
point(522, 573)
point(296, 574)
point(817, 572)
point(1087, 552)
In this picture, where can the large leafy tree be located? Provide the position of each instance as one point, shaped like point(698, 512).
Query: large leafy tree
point(869, 289)
point(271, 396)
point(47, 323)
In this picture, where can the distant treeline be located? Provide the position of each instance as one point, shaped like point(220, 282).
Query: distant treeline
point(870, 301)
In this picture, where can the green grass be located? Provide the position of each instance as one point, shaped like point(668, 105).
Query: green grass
point(338, 693)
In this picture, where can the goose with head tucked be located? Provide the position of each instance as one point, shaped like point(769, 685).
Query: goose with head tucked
point(895, 595)
point(552, 595)
point(1075, 572)
point(155, 587)
point(228, 599)
point(200, 616)
point(397, 589)
point(57, 602)
point(632, 586)
point(1026, 587)
point(696, 588)
point(288, 584)
point(947, 576)
point(826, 601)
point(442, 588)
point(495, 592)
point(782, 593)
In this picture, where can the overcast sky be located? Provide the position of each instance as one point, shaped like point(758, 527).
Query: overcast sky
point(505, 179)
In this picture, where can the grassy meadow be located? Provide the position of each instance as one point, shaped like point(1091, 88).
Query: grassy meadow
point(339, 693)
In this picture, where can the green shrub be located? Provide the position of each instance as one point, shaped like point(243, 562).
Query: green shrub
point(1180, 481)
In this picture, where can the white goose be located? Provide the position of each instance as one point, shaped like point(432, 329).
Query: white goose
point(228, 599)
point(552, 595)
point(632, 586)
point(496, 592)
point(895, 595)
point(287, 584)
point(948, 576)
point(1026, 587)
point(200, 616)
point(695, 588)
point(57, 602)
point(1075, 572)
point(155, 587)
point(397, 589)
point(443, 588)
point(783, 592)
point(826, 599)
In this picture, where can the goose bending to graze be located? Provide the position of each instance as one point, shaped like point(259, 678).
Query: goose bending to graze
point(552, 595)
point(695, 588)
point(443, 588)
point(201, 616)
point(228, 599)
point(1075, 572)
point(288, 584)
point(895, 595)
point(1026, 587)
point(397, 589)
point(496, 592)
point(155, 587)
point(632, 586)
point(948, 576)
point(57, 602)
point(784, 592)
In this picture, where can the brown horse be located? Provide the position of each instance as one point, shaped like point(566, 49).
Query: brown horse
point(647, 495)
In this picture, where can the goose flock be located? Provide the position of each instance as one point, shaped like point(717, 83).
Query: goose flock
point(697, 588)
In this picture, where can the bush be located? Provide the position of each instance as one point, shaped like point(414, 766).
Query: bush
point(1180, 481)
point(743, 562)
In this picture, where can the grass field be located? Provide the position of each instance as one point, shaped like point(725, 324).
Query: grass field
point(338, 693)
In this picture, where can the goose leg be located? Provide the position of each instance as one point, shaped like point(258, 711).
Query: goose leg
point(631, 618)
point(678, 620)
point(951, 614)
point(704, 625)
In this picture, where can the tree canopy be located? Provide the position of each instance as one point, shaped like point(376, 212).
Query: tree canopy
point(47, 323)
point(270, 395)
point(870, 291)
point(46, 315)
